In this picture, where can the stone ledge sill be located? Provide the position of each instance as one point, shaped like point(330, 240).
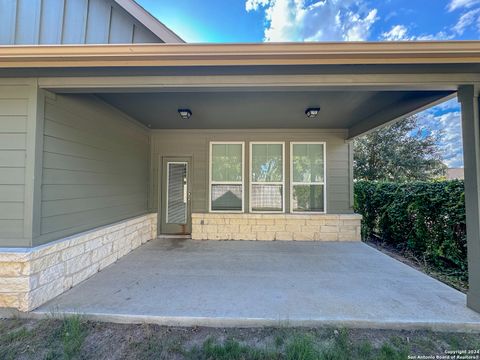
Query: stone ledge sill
point(277, 216)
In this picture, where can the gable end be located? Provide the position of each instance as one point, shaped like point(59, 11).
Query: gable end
point(37, 22)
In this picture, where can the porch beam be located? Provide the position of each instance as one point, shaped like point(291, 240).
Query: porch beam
point(468, 97)
point(395, 112)
point(211, 82)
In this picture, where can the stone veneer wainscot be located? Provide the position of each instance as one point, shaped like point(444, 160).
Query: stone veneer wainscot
point(320, 227)
point(31, 277)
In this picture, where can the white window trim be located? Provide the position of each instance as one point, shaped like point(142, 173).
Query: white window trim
point(168, 185)
point(269, 183)
point(211, 182)
point(324, 183)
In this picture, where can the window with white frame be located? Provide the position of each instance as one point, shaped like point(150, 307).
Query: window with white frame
point(226, 176)
point(267, 177)
point(307, 192)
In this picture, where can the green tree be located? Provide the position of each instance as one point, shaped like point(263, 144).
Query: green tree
point(399, 152)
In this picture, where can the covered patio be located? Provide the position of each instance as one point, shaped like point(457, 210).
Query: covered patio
point(113, 111)
point(185, 282)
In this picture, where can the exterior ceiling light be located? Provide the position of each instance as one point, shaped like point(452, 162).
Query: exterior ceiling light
point(185, 113)
point(312, 112)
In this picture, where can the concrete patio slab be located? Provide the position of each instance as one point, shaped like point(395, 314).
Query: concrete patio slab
point(247, 283)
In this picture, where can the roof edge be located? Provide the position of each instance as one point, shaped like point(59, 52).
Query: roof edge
point(149, 21)
point(358, 53)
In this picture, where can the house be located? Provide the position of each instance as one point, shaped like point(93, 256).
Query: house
point(114, 131)
point(455, 173)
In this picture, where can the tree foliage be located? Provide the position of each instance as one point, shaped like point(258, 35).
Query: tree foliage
point(399, 152)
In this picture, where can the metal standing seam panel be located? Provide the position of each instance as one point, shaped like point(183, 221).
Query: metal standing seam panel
point(74, 22)
point(98, 24)
point(51, 21)
point(121, 27)
point(8, 12)
point(32, 22)
point(143, 36)
point(27, 21)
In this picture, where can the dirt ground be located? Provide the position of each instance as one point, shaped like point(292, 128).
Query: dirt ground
point(74, 338)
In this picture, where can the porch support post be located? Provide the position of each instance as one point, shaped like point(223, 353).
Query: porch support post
point(468, 97)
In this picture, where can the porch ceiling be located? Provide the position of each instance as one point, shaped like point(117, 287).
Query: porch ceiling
point(270, 109)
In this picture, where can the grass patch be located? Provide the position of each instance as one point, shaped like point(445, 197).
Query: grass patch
point(16, 335)
point(388, 352)
point(300, 345)
point(47, 339)
point(73, 335)
point(75, 338)
point(8, 341)
point(365, 350)
point(229, 350)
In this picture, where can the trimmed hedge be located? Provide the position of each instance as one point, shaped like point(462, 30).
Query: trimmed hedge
point(425, 218)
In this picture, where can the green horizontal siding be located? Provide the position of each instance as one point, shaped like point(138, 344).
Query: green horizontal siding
point(14, 112)
point(195, 143)
point(95, 166)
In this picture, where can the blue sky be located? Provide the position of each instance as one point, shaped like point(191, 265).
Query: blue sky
point(332, 20)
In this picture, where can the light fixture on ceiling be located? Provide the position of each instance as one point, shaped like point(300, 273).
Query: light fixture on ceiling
point(185, 113)
point(312, 112)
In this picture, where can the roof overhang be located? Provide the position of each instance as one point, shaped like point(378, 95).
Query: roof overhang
point(400, 78)
point(148, 55)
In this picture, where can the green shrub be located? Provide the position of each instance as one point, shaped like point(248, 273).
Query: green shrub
point(426, 219)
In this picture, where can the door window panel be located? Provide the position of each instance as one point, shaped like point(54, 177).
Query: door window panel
point(177, 193)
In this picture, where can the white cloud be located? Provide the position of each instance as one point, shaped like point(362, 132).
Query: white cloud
point(458, 4)
point(466, 20)
point(445, 119)
point(441, 35)
point(255, 4)
point(452, 138)
point(401, 33)
point(469, 17)
point(320, 20)
point(397, 33)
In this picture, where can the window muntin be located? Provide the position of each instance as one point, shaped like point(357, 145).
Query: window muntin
point(267, 177)
point(226, 176)
point(307, 177)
